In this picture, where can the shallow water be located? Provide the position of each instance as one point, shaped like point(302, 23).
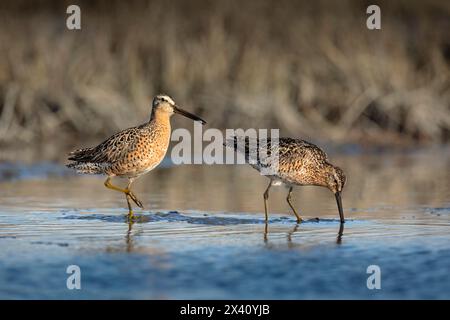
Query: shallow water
point(202, 234)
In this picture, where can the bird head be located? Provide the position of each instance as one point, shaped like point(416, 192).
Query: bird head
point(335, 182)
point(336, 179)
point(164, 103)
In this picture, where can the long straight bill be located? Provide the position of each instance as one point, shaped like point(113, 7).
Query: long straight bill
point(188, 114)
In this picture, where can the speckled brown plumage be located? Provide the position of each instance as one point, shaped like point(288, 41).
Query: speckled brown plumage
point(300, 163)
point(132, 152)
point(128, 153)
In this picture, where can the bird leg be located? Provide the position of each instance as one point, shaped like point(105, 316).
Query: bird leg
point(132, 195)
point(130, 209)
point(266, 197)
point(129, 195)
point(288, 199)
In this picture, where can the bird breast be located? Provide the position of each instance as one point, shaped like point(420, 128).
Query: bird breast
point(148, 152)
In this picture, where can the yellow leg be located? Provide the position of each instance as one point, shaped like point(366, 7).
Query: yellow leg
point(132, 196)
point(266, 197)
point(130, 209)
point(288, 199)
point(128, 194)
point(110, 186)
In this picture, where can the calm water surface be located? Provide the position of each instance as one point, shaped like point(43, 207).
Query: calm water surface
point(202, 234)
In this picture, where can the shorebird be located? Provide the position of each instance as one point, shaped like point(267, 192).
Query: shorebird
point(132, 152)
point(299, 163)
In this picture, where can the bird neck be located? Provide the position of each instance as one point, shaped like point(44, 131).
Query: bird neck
point(160, 117)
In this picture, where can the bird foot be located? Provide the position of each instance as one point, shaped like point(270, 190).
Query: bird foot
point(135, 200)
point(131, 218)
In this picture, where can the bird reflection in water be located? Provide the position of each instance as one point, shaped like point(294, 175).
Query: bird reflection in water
point(129, 236)
point(340, 234)
point(295, 229)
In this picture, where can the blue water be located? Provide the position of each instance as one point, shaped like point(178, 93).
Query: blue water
point(205, 238)
point(176, 255)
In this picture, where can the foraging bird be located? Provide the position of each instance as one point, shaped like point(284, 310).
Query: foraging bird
point(132, 152)
point(296, 162)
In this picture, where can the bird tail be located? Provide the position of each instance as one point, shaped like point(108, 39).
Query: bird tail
point(240, 145)
point(81, 155)
point(256, 152)
point(86, 167)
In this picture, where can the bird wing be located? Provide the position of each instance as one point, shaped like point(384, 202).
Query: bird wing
point(111, 150)
point(295, 154)
point(292, 153)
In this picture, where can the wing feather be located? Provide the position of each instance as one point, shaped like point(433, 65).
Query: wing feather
point(293, 154)
point(111, 150)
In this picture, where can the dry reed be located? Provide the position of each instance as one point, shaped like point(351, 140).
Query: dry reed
point(309, 68)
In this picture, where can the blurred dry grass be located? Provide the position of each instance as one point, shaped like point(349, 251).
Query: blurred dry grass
point(309, 68)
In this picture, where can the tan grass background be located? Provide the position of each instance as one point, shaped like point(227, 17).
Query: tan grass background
point(310, 68)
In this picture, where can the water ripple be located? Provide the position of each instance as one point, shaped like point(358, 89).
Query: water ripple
point(175, 216)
